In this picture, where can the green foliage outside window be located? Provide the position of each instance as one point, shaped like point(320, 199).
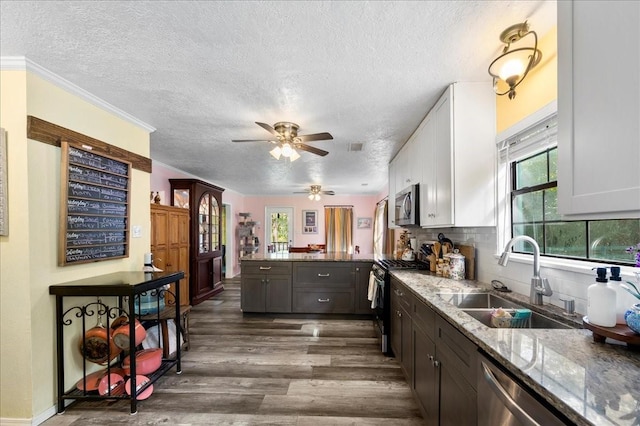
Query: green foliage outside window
point(279, 228)
point(534, 212)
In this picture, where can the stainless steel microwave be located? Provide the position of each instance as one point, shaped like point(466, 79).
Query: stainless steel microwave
point(407, 206)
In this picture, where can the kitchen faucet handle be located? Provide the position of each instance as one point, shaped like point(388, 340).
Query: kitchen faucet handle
point(569, 306)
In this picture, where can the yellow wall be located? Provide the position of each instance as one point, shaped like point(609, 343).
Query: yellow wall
point(28, 255)
point(538, 89)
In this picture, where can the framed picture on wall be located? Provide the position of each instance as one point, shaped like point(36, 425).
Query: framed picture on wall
point(309, 221)
point(364, 223)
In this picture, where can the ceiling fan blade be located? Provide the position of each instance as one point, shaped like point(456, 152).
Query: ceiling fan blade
point(311, 149)
point(329, 192)
point(251, 140)
point(301, 192)
point(269, 129)
point(315, 137)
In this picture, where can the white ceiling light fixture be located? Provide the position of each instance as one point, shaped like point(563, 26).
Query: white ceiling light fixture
point(288, 141)
point(314, 192)
point(286, 151)
point(513, 65)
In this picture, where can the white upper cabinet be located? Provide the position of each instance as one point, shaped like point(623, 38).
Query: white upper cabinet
point(458, 180)
point(599, 108)
point(391, 200)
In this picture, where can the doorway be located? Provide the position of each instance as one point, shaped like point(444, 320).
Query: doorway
point(278, 229)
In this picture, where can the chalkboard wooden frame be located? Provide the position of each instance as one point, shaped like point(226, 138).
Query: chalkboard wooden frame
point(94, 206)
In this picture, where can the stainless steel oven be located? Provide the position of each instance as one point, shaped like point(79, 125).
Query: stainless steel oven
point(382, 307)
point(378, 304)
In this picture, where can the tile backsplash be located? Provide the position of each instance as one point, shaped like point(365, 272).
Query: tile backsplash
point(568, 280)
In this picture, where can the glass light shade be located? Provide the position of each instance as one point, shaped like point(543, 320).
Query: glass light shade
point(317, 197)
point(294, 155)
point(512, 69)
point(286, 150)
point(311, 196)
point(276, 152)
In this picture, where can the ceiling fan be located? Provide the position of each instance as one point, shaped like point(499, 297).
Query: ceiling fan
point(288, 140)
point(315, 191)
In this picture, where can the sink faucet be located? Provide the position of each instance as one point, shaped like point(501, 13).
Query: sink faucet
point(539, 286)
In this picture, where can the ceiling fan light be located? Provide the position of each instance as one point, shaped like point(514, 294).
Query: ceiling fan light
point(294, 155)
point(317, 197)
point(286, 150)
point(311, 196)
point(276, 152)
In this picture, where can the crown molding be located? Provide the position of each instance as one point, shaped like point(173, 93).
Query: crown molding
point(21, 63)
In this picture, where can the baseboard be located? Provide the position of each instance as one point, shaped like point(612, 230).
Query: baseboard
point(39, 419)
point(45, 415)
point(6, 421)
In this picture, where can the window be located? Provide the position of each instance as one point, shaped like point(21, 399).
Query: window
point(534, 212)
point(279, 229)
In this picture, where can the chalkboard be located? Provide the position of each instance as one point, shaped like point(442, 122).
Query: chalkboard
point(94, 206)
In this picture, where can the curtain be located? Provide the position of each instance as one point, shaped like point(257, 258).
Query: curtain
point(382, 235)
point(338, 225)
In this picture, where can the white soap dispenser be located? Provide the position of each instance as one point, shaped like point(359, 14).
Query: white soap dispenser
point(601, 301)
point(624, 300)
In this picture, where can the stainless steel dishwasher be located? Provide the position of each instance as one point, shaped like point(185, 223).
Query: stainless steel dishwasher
point(502, 401)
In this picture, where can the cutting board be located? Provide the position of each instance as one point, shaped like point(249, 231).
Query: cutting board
point(469, 253)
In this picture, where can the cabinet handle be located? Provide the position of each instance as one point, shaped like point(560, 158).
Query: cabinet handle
point(323, 275)
point(265, 268)
point(399, 314)
point(430, 358)
point(436, 363)
point(266, 281)
point(324, 300)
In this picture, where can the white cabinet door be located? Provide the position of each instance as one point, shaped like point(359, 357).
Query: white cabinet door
point(391, 202)
point(443, 161)
point(402, 168)
point(599, 108)
point(459, 185)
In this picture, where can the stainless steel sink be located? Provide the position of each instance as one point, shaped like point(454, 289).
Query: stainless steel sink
point(537, 320)
point(478, 300)
point(481, 305)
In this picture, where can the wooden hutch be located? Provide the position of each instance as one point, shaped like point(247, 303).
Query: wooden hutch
point(204, 202)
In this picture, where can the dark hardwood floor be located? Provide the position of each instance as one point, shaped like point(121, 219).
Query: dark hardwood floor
point(268, 370)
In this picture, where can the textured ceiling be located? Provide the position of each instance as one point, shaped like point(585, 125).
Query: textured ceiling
point(202, 73)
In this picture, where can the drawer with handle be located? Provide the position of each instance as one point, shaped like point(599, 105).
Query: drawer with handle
point(323, 301)
point(262, 268)
point(325, 274)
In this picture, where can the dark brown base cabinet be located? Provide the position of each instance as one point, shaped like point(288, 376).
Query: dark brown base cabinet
point(438, 361)
point(361, 276)
point(266, 287)
point(322, 287)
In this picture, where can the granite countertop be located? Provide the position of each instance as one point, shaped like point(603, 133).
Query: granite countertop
point(297, 257)
point(591, 383)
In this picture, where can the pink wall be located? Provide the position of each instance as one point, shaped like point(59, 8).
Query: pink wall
point(363, 206)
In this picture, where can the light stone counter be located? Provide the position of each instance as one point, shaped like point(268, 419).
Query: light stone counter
point(591, 383)
point(304, 257)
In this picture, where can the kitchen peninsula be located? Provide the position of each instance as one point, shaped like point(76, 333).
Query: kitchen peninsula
point(307, 283)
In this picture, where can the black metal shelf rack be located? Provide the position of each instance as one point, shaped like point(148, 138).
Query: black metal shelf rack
point(128, 288)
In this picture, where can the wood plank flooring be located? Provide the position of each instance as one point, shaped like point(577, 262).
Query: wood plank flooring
point(268, 370)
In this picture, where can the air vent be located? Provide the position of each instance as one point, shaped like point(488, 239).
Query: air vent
point(355, 146)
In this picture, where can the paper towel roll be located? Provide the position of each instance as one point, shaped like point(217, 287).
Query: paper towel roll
point(147, 258)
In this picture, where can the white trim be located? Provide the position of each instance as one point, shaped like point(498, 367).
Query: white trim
point(577, 266)
point(21, 63)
